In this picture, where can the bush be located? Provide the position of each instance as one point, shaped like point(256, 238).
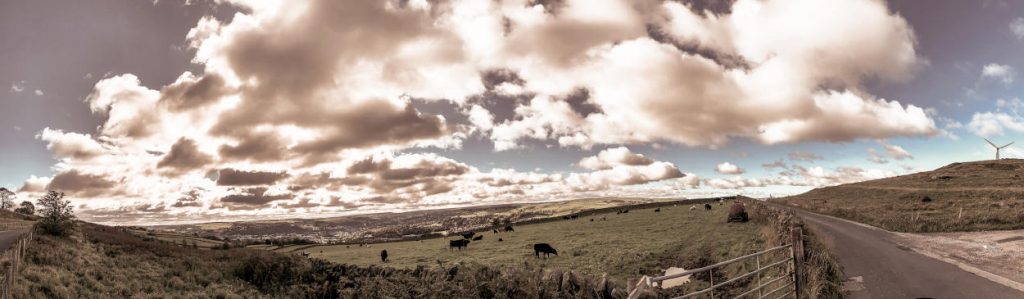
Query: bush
point(58, 218)
point(26, 208)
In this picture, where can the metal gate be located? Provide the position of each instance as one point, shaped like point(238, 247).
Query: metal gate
point(782, 286)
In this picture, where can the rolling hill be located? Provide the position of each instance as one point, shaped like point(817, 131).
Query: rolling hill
point(967, 196)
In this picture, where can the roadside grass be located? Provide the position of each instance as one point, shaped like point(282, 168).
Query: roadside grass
point(641, 242)
point(969, 196)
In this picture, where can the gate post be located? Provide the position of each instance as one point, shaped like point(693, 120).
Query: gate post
point(797, 235)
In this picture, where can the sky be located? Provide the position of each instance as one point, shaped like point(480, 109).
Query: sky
point(166, 111)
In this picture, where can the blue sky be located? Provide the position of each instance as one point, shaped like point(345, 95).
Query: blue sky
point(140, 110)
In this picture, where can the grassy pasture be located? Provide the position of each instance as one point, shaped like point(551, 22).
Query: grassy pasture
point(969, 196)
point(624, 246)
point(177, 238)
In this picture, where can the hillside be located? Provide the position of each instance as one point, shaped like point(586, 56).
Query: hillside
point(379, 227)
point(622, 245)
point(968, 196)
point(103, 262)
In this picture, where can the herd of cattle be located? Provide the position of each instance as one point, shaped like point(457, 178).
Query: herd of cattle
point(737, 213)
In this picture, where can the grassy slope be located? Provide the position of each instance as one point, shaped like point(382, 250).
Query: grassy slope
point(624, 246)
point(990, 195)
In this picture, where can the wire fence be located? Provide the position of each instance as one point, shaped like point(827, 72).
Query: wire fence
point(10, 261)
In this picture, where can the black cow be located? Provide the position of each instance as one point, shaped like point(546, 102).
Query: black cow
point(707, 206)
point(657, 210)
point(499, 240)
point(509, 229)
point(468, 235)
point(625, 211)
point(544, 248)
point(384, 256)
point(495, 230)
point(458, 244)
point(478, 238)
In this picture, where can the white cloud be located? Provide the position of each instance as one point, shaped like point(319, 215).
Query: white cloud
point(988, 124)
point(1000, 72)
point(729, 168)
point(1017, 27)
point(18, 87)
point(613, 157)
point(38, 92)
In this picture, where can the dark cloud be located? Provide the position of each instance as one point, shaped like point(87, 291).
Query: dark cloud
point(77, 183)
point(369, 124)
point(302, 203)
point(493, 78)
point(234, 177)
point(189, 199)
point(579, 101)
point(185, 156)
point(190, 92)
point(258, 147)
point(253, 197)
point(727, 60)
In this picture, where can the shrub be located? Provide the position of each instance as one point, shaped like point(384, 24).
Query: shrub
point(26, 208)
point(58, 218)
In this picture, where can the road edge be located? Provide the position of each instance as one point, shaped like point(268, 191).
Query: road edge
point(963, 266)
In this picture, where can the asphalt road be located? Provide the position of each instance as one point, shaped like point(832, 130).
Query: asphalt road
point(8, 237)
point(889, 270)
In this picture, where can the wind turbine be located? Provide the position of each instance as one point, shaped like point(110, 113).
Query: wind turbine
point(997, 147)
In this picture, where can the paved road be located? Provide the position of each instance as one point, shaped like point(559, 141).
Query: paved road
point(890, 270)
point(8, 237)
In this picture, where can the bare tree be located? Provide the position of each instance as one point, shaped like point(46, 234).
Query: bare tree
point(26, 208)
point(6, 199)
point(58, 217)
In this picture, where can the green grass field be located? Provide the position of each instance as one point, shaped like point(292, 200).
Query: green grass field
point(640, 242)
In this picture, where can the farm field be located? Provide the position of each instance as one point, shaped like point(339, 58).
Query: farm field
point(177, 238)
point(624, 246)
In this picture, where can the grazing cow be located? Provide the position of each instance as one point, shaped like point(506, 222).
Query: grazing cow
point(591, 219)
point(499, 240)
point(707, 206)
point(495, 230)
point(625, 211)
point(693, 207)
point(458, 244)
point(305, 254)
point(478, 238)
point(544, 248)
point(509, 229)
point(384, 256)
point(657, 210)
point(468, 235)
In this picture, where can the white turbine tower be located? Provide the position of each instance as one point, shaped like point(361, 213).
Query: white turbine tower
point(997, 147)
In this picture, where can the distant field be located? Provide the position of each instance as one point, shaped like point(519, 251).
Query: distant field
point(969, 196)
point(177, 238)
point(624, 246)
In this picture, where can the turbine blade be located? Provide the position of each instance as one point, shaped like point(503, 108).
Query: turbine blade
point(1008, 144)
point(990, 142)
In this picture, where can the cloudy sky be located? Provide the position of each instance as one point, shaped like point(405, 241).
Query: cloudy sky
point(185, 111)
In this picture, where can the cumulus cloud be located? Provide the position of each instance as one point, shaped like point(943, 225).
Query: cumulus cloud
point(999, 72)
point(988, 124)
point(17, 87)
point(1017, 27)
point(729, 168)
point(281, 86)
point(70, 145)
point(610, 158)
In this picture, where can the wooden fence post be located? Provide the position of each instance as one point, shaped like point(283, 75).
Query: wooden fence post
point(797, 235)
